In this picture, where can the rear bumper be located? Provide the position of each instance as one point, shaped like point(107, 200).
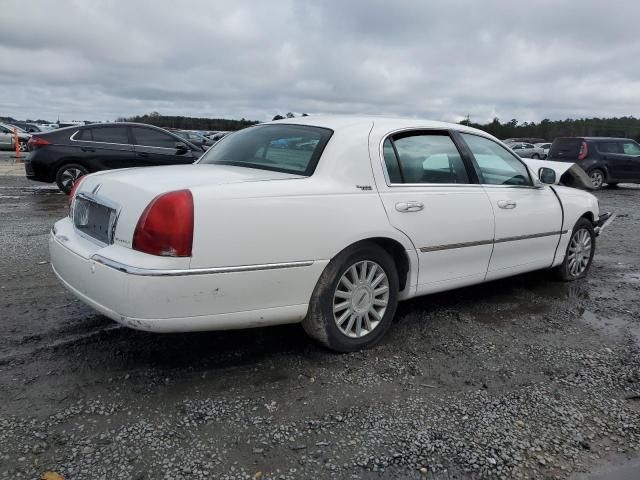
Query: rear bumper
point(179, 303)
point(604, 220)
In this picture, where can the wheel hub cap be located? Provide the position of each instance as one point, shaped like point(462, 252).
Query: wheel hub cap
point(579, 252)
point(360, 299)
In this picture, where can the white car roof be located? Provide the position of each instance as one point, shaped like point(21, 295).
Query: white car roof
point(337, 122)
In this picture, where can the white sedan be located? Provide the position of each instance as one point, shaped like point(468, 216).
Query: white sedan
point(328, 221)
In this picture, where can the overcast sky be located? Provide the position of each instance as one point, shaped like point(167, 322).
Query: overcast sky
point(99, 60)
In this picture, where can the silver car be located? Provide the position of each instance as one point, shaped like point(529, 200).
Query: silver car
point(527, 150)
point(7, 137)
point(545, 147)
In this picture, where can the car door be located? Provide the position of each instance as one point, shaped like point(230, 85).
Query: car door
point(632, 160)
point(156, 147)
point(104, 147)
point(613, 159)
point(528, 219)
point(430, 194)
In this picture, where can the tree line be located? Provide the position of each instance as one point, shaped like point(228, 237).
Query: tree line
point(627, 127)
point(190, 123)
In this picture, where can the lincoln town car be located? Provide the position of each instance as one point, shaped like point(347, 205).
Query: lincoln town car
point(324, 221)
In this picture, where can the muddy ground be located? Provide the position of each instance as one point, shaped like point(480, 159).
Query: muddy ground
point(520, 378)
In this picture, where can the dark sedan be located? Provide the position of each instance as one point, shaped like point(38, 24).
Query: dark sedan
point(64, 155)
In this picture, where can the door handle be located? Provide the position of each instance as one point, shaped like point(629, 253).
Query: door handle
point(143, 154)
point(409, 206)
point(507, 204)
point(88, 149)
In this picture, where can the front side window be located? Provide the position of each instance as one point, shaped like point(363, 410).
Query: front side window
point(631, 148)
point(497, 166)
point(283, 148)
point(424, 158)
point(110, 135)
point(150, 137)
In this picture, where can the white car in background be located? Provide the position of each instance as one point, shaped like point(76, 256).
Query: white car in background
point(527, 150)
point(545, 148)
point(370, 212)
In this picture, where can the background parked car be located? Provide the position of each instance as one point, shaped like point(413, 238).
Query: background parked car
point(195, 138)
point(524, 140)
point(218, 136)
point(27, 127)
point(66, 154)
point(545, 147)
point(606, 160)
point(7, 137)
point(527, 150)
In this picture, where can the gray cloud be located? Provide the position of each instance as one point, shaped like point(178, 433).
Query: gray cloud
point(252, 59)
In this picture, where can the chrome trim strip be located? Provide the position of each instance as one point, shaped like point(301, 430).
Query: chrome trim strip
point(150, 272)
point(437, 248)
point(528, 237)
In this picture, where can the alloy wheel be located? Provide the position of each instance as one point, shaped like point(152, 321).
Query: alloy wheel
point(70, 176)
point(579, 252)
point(597, 179)
point(360, 299)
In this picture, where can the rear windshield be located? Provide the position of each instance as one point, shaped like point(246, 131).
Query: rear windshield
point(565, 147)
point(282, 148)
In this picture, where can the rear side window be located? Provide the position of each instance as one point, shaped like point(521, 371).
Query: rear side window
point(84, 135)
point(424, 158)
point(631, 148)
point(282, 148)
point(609, 147)
point(110, 135)
point(565, 147)
point(149, 137)
point(391, 161)
point(497, 165)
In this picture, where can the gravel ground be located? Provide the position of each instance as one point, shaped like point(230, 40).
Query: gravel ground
point(520, 378)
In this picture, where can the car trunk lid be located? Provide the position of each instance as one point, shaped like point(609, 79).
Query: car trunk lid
point(126, 193)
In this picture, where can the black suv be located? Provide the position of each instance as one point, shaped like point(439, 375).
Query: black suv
point(64, 155)
point(606, 160)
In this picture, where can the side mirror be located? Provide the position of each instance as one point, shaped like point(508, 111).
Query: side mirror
point(181, 147)
point(547, 175)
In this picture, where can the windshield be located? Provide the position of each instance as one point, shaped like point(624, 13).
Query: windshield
point(283, 148)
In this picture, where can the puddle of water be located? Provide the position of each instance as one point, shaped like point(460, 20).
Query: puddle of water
point(619, 470)
point(612, 325)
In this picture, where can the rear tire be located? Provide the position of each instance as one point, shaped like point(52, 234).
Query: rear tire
point(579, 254)
point(598, 178)
point(535, 156)
point(68, 174)
point(355, 299)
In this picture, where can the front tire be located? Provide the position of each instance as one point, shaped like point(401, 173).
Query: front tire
point(355, 299)
point(579, 254)
point(67, 176)
point(597, 178)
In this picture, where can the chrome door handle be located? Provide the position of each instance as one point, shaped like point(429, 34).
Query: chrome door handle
point(409, 206)
point(507, 204)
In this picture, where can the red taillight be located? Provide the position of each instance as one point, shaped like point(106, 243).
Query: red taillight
point(37, 142)
point(72, 193)
point(166, 226)
point(584, 151)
